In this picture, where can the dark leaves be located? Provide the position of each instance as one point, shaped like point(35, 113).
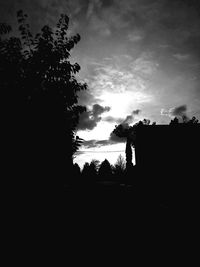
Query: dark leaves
point(5, 28)
point(40, 74)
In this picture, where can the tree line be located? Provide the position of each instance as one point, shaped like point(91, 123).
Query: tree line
point(96, 171)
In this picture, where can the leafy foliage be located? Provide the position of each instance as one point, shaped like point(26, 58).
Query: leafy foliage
point(86, 169)
point(105, 170)
point(120, 163)
point(127, 131)
point(5, 28)
point(119, 167)
point(185, 120)
point(37, 72)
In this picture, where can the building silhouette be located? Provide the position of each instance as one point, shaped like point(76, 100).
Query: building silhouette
point(167, 160)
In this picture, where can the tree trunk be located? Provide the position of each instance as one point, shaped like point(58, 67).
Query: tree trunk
point(129, 163)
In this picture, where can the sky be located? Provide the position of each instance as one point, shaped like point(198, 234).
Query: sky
point(140, 59)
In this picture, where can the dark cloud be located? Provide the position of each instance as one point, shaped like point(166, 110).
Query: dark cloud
point(103, 143)
point(130, 118)
point(113, 119)
point(136, 112)
point(98, 143)
point(98, 110)
point(40, 12)
point(89, 143)
point(118, 135)
point(122, 128)
point(116, 139)
point(166, 30)
point(86, 98)
point(88, 120)
point(179, 111)
point(189, 3)
point(77, 153)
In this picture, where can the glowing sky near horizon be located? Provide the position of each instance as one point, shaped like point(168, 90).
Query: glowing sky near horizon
point(134, 55)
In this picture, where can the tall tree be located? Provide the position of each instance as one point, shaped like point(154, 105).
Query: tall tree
point(120, 164)
point(125, 131)
point(37, 73)
point(105, 170)
point(128, 132)
point(119, 168)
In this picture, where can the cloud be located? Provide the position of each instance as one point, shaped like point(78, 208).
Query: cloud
point(98, 110)
point(88, 120)
point(123, 127)
point(116, 139)
point(114, 18)
point(136, 112)
point(164, 112)
point(144, 65)
point(79, 152)
point(41, 12)
point(104, 17)
point(99, 143)
point(179, 111)
point(114, 78)
point(135, 36)
point(130, 118)
point(86, 98)
point(99, 26)
point(112, 119)
point(119, 75)
point(103, 142)
point(90, 9)
point(170, 25)
point(89, 143)
point(182, 57)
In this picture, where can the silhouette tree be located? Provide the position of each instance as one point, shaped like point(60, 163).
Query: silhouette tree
point(129, 154)
point(125, 131)
point(174, 121)
point(193, 120)
point(119, 168)
point(90, 172)
point(94, 166)
point(120, 164)
point(37, 73)
point(185, 120)
point(105, 171)
point(86, 175)
point(85, 170)
point(77, 170)
point(128, 132)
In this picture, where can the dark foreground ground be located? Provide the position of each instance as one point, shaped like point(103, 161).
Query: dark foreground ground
point(120, 215)
point(115, 198)
point(130, 204)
